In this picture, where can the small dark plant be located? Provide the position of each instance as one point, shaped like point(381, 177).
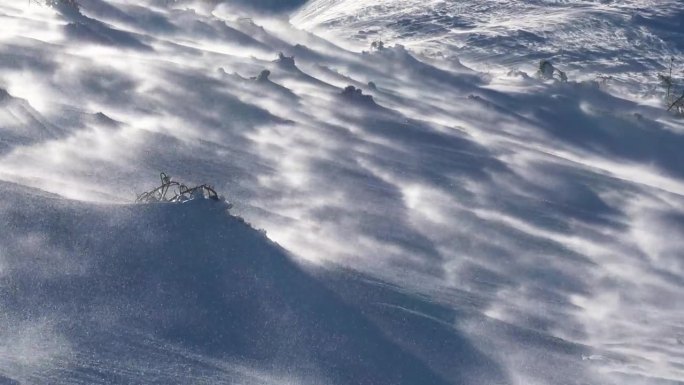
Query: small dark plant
point(548, 71)
point(377, 45)
point(673, 100)
point(354, 94)
point(667, 81)
point(287, 62)
point(262, 77)
point(677, 105)
point(175, 192)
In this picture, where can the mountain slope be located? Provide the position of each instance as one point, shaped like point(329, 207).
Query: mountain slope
point(175, 293)
point(458, 227)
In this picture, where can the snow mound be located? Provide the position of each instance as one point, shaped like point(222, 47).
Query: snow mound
point(175, 293)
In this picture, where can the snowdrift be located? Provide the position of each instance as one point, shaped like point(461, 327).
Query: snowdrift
point(144, 293)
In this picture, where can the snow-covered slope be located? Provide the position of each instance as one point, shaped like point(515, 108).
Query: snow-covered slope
point(625, 42)
point(460, 227)
point(184, 293)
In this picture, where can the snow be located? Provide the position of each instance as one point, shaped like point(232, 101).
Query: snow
point(625, 40)
point(460, 222)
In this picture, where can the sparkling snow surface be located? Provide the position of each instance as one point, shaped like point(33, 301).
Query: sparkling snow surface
point(627, 40)
point(471, 224)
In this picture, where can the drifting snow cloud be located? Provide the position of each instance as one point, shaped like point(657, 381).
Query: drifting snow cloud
point(538, 219)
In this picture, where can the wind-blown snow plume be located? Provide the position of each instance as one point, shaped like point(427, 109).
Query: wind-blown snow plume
point(434, 223)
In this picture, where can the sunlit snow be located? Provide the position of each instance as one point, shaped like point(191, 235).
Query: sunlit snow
point(469, 224)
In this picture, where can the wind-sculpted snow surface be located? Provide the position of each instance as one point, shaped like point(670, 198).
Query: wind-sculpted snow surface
point(434, 224)
point(185, 293)
point(624, 41)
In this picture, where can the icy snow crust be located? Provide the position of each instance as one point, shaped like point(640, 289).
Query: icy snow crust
point(459, 227)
